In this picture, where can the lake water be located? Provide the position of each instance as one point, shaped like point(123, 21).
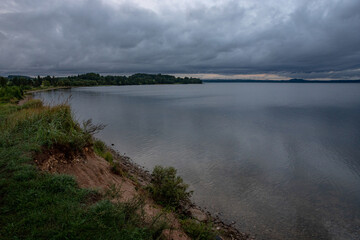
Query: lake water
point(281, 160)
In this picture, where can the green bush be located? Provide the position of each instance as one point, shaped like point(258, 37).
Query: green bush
point(198, 230)
point(168, 189)
point(10, 94)
point(108, 157)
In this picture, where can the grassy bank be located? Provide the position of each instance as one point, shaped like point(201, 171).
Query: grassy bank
point(39, 205)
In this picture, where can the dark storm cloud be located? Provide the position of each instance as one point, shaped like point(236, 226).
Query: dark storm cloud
point(292, 38)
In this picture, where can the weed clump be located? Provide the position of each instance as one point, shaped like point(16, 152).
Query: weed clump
point(108, 157)
point(99, 147)
point(198, 230)
point(167, 189)
point(100, 150)
point(116, 169)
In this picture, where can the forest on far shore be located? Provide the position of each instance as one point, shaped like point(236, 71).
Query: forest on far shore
point(94, 79)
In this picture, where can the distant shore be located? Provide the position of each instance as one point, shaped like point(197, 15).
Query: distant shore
point(44, 89)
point(277, 81)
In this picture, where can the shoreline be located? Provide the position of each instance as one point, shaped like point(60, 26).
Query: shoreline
point(28, 95)
point(144, 177)
point(44, 90)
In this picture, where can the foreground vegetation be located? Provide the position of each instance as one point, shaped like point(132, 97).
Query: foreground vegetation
point(38, 205)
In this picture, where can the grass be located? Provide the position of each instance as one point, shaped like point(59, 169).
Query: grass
point(39, 205)
point(198, 230)
point(100, 150)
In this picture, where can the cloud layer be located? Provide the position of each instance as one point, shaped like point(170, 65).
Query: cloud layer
point(317, 38)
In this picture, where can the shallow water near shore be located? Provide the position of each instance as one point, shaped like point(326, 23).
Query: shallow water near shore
point(281, 160)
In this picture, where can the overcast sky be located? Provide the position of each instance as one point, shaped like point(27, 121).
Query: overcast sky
point(273, 39)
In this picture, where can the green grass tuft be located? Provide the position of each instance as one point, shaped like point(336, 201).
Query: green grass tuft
point(99, 147)
point(100, 150)
point(198, 230)
point(108, 157)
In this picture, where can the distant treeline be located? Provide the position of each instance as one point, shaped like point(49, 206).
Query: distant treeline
point(12, 88)
point(278, 81)
point(94, 79)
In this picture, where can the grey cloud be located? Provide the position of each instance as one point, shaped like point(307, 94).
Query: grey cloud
point(294, 38)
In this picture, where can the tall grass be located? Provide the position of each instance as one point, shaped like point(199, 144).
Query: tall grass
point(38, 205)
point(43, 126)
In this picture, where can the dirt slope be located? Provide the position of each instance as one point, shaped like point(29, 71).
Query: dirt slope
point(92, 171)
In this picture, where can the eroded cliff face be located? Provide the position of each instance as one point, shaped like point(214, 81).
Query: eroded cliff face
point(94, 172)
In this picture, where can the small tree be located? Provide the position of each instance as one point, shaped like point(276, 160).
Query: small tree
point(46, 83)
point(168, 189)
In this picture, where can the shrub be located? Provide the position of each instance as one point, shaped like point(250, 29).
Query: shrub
point(168, 189)
point(108, 157)
point(198, 230)
point(116, 169)
point(10, 94)
point(89, 127)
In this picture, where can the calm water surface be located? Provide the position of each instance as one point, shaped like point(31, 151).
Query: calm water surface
point(281, 160)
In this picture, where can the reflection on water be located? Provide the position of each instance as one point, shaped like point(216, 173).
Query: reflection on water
point(282, 160)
